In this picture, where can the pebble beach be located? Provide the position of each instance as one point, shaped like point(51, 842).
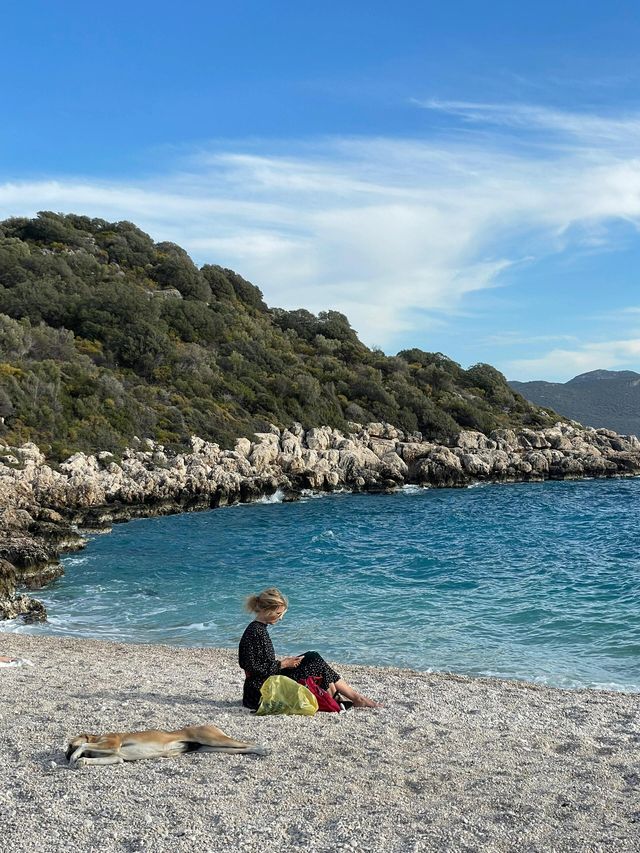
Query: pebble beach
point(450, 763)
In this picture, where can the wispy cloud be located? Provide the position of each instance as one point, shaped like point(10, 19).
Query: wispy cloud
point(395, 233)
point(582, 127)
point(511, 339)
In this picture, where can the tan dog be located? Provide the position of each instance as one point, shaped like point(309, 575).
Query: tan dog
point(118, 747)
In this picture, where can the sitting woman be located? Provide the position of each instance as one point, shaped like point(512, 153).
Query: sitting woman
point(258, 660)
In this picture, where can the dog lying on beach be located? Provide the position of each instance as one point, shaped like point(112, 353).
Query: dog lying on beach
point(117, 747)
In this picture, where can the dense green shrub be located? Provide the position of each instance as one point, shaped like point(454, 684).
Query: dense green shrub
point(105, 335)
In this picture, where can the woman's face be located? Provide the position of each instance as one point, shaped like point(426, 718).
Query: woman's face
point(270, 617)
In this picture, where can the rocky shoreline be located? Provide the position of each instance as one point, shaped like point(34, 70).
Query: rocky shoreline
point(45, 510)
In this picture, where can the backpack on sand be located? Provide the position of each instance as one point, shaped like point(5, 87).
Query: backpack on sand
point(325, 700)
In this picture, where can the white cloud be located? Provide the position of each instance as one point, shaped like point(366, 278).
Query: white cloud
point(563, 364)
point(395, 233)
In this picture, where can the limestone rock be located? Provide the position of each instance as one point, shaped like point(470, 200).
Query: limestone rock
point(265, 451)
point(475, 465)
point(13, 606)
point(504, 438)
point(393, 467)
point(290, 443)
point(440, 468)
point(413, 450)
point(318, 438)
point(381, 446)
point(530, 438)
point(473, 440)
point(243, 447)
point(7, 579)
point(22, 607)
point(15, 519)
point(538, 461)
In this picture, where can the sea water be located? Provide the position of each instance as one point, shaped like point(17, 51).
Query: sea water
point(537, 581)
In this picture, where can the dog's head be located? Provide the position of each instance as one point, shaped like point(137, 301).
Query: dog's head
point(78, 741)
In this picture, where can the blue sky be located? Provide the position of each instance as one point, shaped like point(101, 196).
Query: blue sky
point(462, 177)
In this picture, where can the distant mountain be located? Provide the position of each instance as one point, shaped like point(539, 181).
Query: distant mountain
point(600, 398)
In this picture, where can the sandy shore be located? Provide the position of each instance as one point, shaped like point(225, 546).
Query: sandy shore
point(450, 764)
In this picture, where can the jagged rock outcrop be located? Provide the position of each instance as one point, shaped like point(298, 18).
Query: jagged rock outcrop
point(14, 606)
point(41, 507)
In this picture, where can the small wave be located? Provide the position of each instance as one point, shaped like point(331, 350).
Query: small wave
point(564, 682)
point(162, 632)
point(322, 537)
point(12, 626)
point(276, 498)
point(414, 489)
point(76, 561)
point(147, 592)
point(567, 683)
point(305, 494)
point(312, 494)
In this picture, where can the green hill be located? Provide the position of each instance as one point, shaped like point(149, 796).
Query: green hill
point(106, 335)
point(600, 398)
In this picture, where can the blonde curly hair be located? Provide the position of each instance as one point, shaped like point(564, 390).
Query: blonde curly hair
point(269, 599)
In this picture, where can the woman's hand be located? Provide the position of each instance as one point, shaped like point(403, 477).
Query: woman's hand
point(290, 663)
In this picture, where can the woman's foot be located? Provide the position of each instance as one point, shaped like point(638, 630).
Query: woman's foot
point(357, 699)
point(360, 701)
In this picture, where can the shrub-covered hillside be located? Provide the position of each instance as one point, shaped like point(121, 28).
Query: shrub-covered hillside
point(105, 335)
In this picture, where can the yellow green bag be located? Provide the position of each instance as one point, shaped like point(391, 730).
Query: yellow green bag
point(282, 695)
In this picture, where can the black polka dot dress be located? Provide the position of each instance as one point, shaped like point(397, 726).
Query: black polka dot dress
point(257, 658)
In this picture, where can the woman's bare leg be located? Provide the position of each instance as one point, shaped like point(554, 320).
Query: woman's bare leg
point(359, 701)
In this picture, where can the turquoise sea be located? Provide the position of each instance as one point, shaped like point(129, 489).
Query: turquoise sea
point(532, 581)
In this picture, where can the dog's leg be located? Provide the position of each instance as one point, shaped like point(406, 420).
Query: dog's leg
point(106, 759)
point(213, 739)
point(77, 753)
point(249, 748)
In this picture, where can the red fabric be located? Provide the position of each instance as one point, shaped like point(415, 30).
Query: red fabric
point(326, 702)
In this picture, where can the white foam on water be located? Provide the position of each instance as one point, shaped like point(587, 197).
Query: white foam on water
point(565, 682)
point(276, 498)
point(76, 561)
point(307, 494)
point(568, 683)
point(326, 534)
point(13, 626)
point(179, 630)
